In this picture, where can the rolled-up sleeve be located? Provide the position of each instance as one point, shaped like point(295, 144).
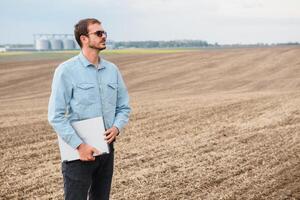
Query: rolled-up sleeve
point(59, 103)
point(122, 107)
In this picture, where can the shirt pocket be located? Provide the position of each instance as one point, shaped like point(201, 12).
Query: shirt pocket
point(85, 93)
point(111, 93)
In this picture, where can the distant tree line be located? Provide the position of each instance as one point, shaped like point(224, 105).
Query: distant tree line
point(186, 44)
point(162, 44)
point(289, 43)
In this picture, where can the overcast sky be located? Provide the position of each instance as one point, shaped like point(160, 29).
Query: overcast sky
point(222, 21)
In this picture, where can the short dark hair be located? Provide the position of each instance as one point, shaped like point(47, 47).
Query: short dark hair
point(81, 28)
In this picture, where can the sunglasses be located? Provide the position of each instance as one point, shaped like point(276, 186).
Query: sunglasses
point(99, 33)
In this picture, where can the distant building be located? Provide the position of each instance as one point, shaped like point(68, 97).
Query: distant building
point(2, 49)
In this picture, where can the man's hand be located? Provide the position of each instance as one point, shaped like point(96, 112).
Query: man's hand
point(86, 152)
point(111, 134)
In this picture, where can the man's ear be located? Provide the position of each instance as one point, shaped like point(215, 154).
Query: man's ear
point(83, 39)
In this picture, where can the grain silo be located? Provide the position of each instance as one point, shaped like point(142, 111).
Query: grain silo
point(42, 44)
point(68, 44)
point(56, 44)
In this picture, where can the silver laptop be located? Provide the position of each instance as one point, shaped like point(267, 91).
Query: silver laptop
point(91, 131)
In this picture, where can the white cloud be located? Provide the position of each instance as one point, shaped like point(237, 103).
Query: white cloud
point(261, 8)
point(173, 6)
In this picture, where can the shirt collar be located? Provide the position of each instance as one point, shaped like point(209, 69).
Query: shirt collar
point(87, 63)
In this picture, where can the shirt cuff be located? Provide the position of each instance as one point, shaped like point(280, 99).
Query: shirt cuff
point(118, 127)
point(75, 142)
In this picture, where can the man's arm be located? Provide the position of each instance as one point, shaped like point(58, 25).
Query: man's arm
point(122, 111)
point(59, 102)
point(122, 107)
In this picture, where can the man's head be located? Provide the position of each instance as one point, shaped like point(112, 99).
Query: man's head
point(90, 34)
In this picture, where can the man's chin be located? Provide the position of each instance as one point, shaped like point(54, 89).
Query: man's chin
point(102, 46)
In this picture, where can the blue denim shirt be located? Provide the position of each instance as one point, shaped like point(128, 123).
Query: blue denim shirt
point(81, 91)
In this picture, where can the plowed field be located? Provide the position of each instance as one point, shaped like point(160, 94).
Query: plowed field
point(207, 124)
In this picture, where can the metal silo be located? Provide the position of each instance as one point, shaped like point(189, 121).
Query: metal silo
point(68, 44)
point(42, 44)
point(56, 44)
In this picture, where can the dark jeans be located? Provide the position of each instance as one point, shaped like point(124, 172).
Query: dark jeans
point(89, 179)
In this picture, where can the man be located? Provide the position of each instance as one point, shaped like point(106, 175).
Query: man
point(87, 86)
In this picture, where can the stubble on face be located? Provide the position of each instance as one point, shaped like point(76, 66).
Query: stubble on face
point(97, 47)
